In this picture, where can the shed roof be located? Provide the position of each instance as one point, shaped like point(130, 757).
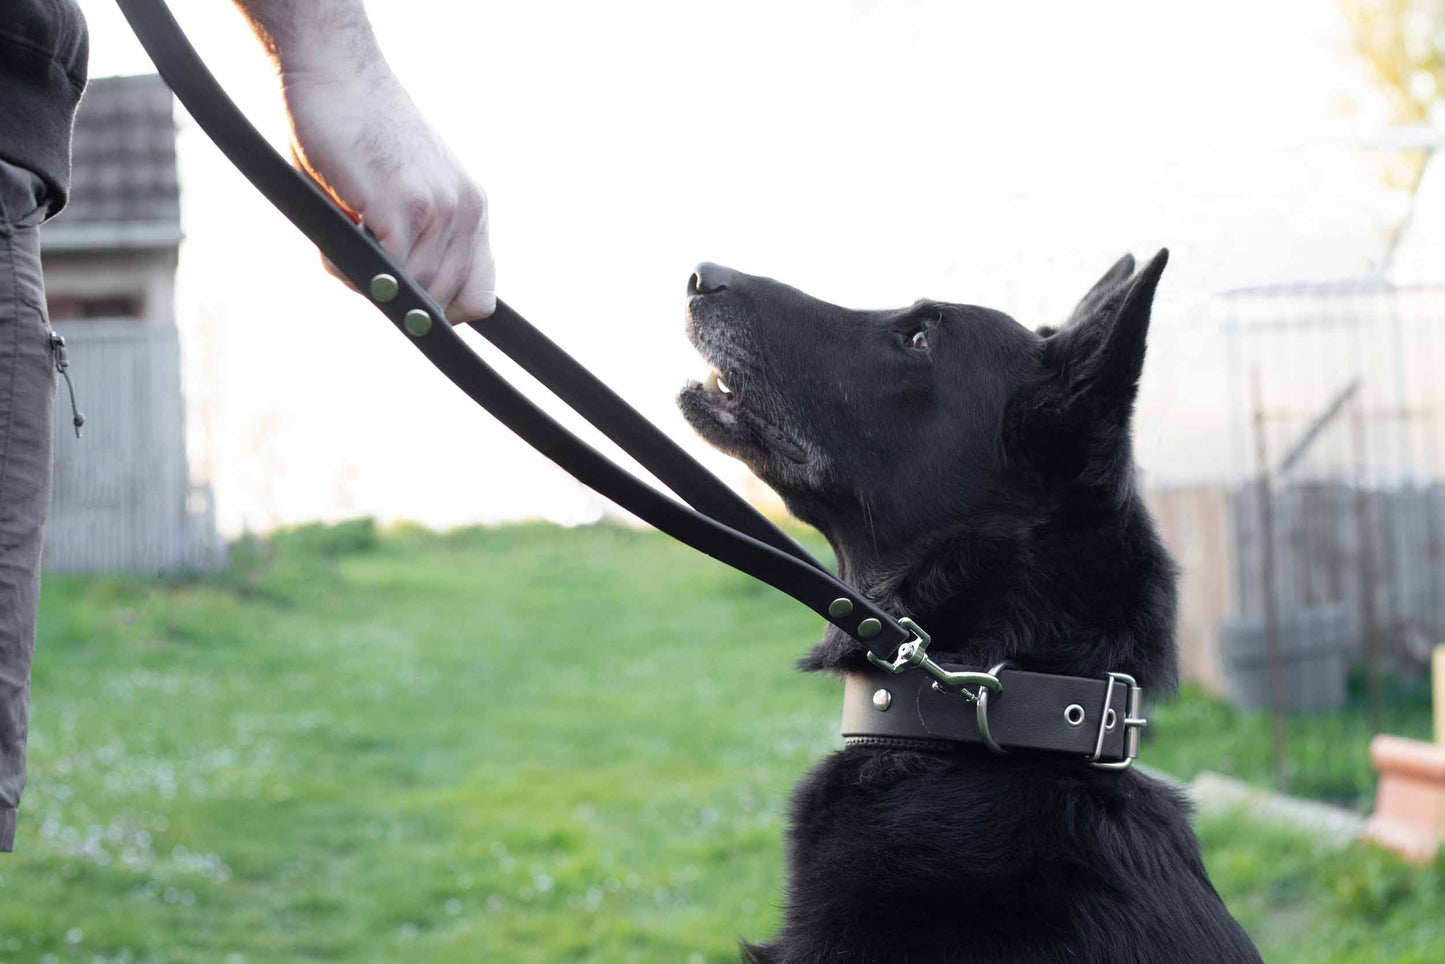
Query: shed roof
point(124, 191)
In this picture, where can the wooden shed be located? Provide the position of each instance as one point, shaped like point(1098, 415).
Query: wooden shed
point(124, 498)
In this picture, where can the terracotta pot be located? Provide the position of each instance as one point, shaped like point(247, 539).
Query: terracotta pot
point(1409, 815)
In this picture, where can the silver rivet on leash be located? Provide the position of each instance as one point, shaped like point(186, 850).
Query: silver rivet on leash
point(1074, 714)
point(417, 322)
point(1109, 719)
point(841, 606)
point(869, 628)
point(384, 288)
point(882, 699)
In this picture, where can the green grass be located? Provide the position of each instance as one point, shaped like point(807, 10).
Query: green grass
point(512, 745)
point(1328, 755)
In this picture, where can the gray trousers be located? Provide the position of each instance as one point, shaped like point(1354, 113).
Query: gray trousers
point(27, 403)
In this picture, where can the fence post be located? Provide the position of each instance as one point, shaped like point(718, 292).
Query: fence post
point(1279, 728)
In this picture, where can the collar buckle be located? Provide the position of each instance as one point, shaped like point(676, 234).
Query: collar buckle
point(1133, 723)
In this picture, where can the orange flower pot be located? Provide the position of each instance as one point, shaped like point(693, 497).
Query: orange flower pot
point(1409, 815)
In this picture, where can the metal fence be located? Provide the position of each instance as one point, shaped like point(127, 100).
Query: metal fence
point(1337, 514)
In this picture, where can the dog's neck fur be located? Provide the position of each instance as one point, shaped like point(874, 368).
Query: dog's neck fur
point(994, 590)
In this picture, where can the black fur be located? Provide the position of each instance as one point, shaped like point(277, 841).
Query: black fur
point(982, 482)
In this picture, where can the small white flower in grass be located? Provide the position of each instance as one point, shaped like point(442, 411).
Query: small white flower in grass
point(75, 935)
point(453, 907)
point(235, 959)
point(696, 958)
point(494, 903)
point(409, 931)
point(542, 882)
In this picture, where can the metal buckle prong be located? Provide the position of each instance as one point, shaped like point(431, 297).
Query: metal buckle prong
point(915, 653)
point(1133, 723)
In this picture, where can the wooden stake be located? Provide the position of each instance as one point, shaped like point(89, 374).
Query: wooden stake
point(1437, 684)
point(1279, 729)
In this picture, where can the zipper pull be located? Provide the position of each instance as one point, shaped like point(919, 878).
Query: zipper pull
point(62, 365)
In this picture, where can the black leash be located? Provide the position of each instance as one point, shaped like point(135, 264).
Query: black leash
point(1043, 711)
point(719, 523)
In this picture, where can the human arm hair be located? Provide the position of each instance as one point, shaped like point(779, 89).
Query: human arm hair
point(357, 132)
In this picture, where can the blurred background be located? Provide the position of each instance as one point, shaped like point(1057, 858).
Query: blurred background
point(279, 713)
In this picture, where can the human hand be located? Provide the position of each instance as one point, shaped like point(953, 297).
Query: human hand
point(358, 134)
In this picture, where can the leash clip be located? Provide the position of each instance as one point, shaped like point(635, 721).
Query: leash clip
point(1133, 723)
point(915, 653)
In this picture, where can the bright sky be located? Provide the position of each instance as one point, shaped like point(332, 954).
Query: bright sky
point(869, 152)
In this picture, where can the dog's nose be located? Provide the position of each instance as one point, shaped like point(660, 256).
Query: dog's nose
point(708, 278)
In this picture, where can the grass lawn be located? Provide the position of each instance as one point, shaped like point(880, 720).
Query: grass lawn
point(510, 745)
point(1328, 753)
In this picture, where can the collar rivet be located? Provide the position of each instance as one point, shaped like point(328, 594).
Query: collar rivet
point(882, 699)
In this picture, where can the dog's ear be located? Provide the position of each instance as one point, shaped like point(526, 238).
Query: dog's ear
point(1098, 356)
point(1092, 368)
point(1103, 288)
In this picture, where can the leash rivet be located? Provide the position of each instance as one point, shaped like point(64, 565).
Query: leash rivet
point(1074, 714)
point(869, 628)
point(840, 607)
point(384, 288)
point(417, 322)
point(882, 699)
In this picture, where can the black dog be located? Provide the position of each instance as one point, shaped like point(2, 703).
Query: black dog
point(978, 477)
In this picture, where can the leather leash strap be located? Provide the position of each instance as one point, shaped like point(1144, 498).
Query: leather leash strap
point(719, 523)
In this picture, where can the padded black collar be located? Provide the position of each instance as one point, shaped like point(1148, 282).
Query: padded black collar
point(1035, 711)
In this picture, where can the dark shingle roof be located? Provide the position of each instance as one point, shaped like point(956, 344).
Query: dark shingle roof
point(124, 192)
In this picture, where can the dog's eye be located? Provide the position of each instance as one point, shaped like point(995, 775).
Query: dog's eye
point(918, 341)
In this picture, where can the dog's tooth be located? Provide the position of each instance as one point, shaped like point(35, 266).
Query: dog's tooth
point(712, 382)
point(722, 387)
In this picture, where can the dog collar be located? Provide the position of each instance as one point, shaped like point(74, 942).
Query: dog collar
point(1096, 719)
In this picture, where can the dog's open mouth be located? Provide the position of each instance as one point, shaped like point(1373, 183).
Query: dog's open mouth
point(714, 392)
point(718, 409)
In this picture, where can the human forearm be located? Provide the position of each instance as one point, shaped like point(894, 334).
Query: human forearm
point(358, 134)
point(331, 36)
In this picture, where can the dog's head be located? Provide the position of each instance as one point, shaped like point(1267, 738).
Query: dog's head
point(900, 433)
